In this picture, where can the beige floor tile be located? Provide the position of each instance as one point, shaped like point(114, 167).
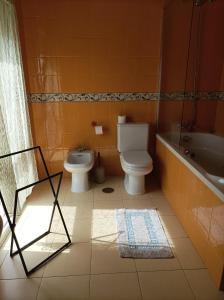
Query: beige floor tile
point(19, 289)
point(104, 211)
point(82, 230)
point(3, 254)
point(172, 227)
point(64, 288)
point(42, 194)
point(79, 230)
point(143, 197)
point(70, 225)
point(155, 193)
point(165, 285)
point(114, 183)
point(106, 259)
point(74, 260)
point(69, 211)
point(104, 228)
point(187, 254)
point(163, 206)
point(138, 203)
point(157, 264)
point(33, 255)
point(70, 197)
point(202, 285)
point(99, 195)
point(115, 286)
point(35, 219)
point(110, 204)
point(12, 268)
point(77, 209)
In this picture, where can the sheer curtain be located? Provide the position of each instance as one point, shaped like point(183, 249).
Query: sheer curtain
point(15, 132)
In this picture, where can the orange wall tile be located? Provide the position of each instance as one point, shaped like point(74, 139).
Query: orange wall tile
point(90, 46)
point(219, 121)
point(170, 115)
point(192, 59)
point(198, 208)
point(175, 43)
point(58, 127)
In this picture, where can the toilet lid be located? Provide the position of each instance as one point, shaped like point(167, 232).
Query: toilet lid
point(138, 158)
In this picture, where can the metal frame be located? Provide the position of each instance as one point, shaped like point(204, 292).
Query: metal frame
point(12, 224)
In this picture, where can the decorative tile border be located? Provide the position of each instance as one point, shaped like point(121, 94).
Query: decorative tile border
point(102, 97)
point(92, 97)
point(192, 96)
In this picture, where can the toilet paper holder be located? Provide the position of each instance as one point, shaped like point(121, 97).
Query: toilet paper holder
point(98, 128)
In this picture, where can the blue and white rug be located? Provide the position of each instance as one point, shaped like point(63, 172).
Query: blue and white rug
point(141, 235)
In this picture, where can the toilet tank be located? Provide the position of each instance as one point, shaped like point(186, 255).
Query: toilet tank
point(132, 136)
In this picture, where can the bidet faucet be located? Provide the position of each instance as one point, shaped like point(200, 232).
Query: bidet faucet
point(81, 148)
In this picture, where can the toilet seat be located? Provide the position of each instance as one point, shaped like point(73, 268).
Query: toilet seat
point(137, 159)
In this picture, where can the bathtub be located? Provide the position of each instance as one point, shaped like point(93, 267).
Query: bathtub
point(203, 153)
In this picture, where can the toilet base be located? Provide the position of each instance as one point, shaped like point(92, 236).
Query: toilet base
point(80, 182)
point(134, 185)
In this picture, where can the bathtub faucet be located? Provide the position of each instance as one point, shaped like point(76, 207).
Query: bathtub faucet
point(189, 152)
point(186, 138)
point(187, 126)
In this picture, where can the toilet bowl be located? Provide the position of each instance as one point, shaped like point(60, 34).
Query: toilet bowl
point(135, 164)
point(79, 163)
point(134, 157)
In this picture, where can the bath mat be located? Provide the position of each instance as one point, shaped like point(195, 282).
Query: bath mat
point(141, 235)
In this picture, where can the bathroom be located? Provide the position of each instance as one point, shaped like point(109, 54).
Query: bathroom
point(85, 63)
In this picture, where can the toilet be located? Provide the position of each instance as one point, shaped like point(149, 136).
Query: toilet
point(79, 163)
point(132, 143)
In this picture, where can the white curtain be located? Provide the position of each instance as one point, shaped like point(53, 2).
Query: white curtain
point(15, 132)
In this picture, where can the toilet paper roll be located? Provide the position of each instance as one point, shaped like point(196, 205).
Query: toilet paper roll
point(99, 129)
point(121, 119)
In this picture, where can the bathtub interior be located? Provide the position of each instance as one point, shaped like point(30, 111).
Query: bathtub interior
point(207, 150)
point(204, 151)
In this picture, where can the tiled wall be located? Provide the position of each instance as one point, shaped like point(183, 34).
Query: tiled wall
point(175, 43)
point(58, 127)
point(91, 45)
point(219, 123)
point(88, 46)
point(192, 49)
point(197, 207)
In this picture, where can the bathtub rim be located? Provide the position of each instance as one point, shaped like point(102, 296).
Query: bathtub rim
point(197, 170)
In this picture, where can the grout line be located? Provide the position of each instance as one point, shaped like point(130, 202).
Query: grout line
point(188, 283)
point(19, 278)
point(6, 254)
point(38, 288)
point(139, 284)
point(109, 273)
point(165, 270)
point(90, 271)
point(91, 242)
point(91, 245)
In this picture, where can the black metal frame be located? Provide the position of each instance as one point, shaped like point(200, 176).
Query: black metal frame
point(12, 224)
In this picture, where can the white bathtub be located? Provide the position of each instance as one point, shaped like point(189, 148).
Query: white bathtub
point(203, 153)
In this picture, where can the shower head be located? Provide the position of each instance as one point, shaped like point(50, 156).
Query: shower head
point(201, 2)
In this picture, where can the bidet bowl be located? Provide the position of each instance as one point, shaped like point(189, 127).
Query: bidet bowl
point(79, 163)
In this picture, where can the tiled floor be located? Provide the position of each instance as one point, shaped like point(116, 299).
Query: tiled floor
point(91, 267)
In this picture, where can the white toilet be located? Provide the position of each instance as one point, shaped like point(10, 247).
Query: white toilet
point(79, 163)
point(132, 143)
